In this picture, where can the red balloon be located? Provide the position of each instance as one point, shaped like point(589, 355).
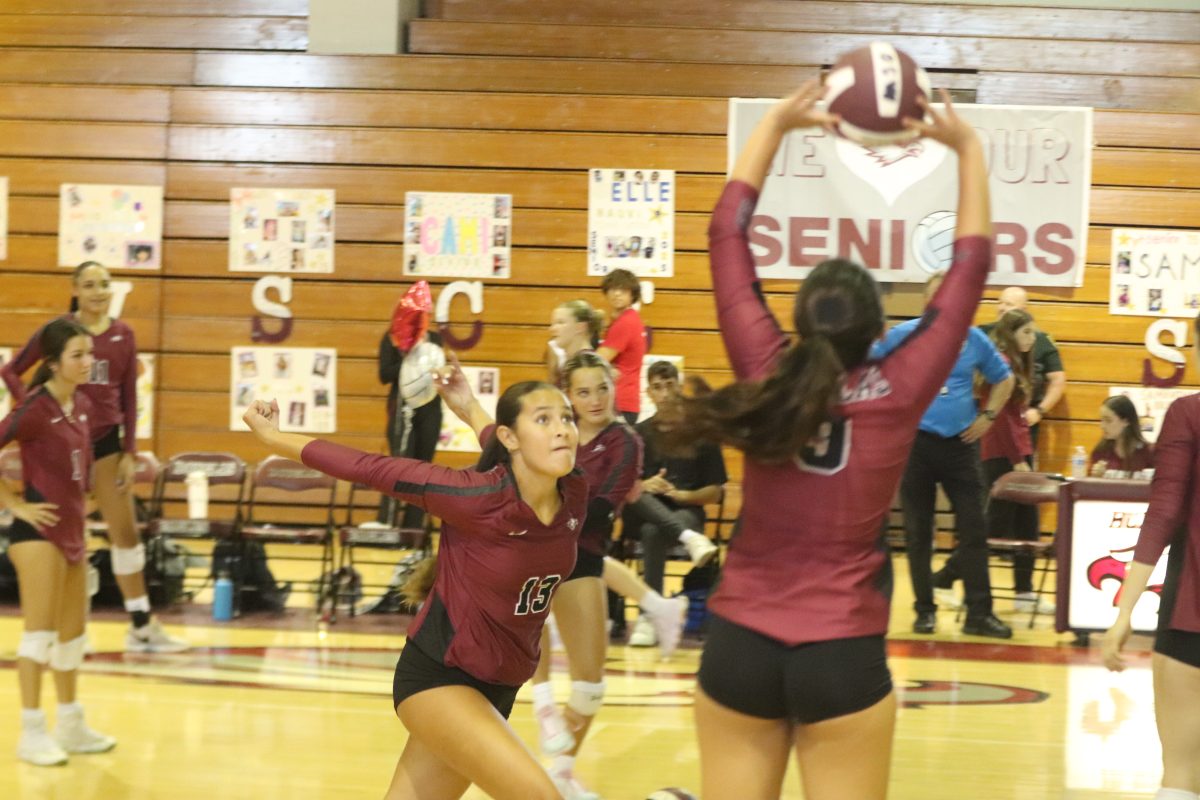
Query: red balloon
point(410, 317)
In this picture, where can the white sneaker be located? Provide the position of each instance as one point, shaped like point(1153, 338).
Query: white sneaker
point(571, 789)
point(947, 598)
point(153, 639)
point(36, 746)
point(1030, 602)
point(643, 634)
point(700, 549)
point(669, 626)
point(74, 736)
point(553, 737)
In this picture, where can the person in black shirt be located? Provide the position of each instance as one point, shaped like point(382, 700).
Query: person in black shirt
point(422, 438)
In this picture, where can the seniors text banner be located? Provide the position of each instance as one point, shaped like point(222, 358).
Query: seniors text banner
point(893, 208)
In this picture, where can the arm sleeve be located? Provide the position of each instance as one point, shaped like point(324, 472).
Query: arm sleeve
point(917, 368)
point(129, 400)
point(451, 494)
point(621, 471)
point(1171, 491)
point(992, 366)
point(752, 337)
point(17, 426)
point(389, 361)
point(890, 341)
point(11, 372)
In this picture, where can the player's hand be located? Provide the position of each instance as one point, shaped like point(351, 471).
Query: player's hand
point(125, 469)
point(39, 515)
point(1099, 468)
point(452, 384)
point(797, 110)
point(945, 125)
point(262, 417)
point(976, 430)
point(1114, 641)
point(658, 484)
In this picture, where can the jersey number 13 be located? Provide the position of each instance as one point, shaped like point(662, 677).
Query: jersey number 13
point(536, 594)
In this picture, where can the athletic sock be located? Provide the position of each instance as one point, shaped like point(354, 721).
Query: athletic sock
point(139, 610)
point(654, 604)
point(688, 534)
point(140, 619)
point(32, 717)
point(563, 766)
point(69, 708)
point(543, 695)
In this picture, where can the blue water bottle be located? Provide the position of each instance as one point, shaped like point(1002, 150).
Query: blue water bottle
point(222, 609)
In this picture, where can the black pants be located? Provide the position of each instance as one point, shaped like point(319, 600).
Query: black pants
point(1008, 520)
point(955, 465)
point(422, 442)
point(658, 526)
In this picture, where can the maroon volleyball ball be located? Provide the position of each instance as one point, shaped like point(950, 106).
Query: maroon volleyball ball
point(872, 89)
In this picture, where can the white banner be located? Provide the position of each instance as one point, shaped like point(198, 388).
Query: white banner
point(631, 222)
point(1103, 536)
point(455, 235)
point(5, 397)
point(1155, 273)
point(119, 226)
point(1151, 404)
point(145, 396)
point(303, 380)
point(281, 230)
point(893, 208)
point(456, 436)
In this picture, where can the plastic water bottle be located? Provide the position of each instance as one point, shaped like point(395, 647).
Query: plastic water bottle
point(222, 609)
point(1079, 463)
point(197, 494)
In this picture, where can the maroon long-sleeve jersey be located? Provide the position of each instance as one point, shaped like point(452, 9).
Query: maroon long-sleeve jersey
point(1173, 504)
point(113, 385)
point(1009, 436)
point(808, 563)
point(56, 457)
point(497, 567)
point(612, 463)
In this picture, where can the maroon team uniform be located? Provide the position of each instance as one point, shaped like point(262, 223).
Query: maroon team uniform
point(113, 385)
point(497, 566)
point(612, 463)
point(56, 457)
point(808, 564)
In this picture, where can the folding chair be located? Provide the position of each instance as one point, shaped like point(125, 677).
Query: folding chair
point(354, 536)
point(1027, 488)
point(277, 481)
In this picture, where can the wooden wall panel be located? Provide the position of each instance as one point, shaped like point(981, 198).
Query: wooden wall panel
point(83, 140)
point(177, 8)
point(111, 30)
point(84, 103)
point(135, 67)
point(44, 176)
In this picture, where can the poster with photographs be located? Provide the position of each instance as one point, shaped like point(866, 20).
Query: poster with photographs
point(648, 407)
point(1154, 273)
point(119, 226)
point(452, 235)
point(456, 435)
point(3, 218)
point(5, 396)
point(1151, 404)
point(145, 395)
point(631, 222)
point(303, 380)
point(281, 230)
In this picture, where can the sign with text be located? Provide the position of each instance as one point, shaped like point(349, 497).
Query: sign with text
point(457, 235)
point(893, 208)
point(1155, 273)
point(119, 226)
point(631, 222)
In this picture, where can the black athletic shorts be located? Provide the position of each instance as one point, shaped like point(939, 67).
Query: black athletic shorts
point(107, 444)
point(1180, 645)
point(763, 677)
point(22, 531)
point(587, 565)
point(416, 672)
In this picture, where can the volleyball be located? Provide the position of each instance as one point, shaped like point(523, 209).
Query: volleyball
point(933, 241)
point(416, 374)
point(671, 793)
point(872, 89)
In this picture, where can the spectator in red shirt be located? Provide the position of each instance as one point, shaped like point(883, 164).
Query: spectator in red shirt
point(112, 389)
point(1173, 518)
point(52, 424)
point(510, 527)
point(624, 344)
point(1122, 448)
point(1008, 447)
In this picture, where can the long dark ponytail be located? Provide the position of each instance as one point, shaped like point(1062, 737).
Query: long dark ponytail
point(838, 313)
point(52, 341)
point(75, 279)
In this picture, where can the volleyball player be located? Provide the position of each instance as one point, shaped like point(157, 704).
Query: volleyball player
point(795, 655)
point(112, 389)
point(52, 424)
point(574, 327)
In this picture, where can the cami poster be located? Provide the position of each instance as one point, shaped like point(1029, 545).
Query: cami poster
point(452, 235)
point(648, 407)
point(281, 230)
point(631, 222)
point(303, 380)
point(119, 226)
point(1154, 273)
point(145, 395)
point(456, 435)
point(5, 397)
point(1151, 404)
point(3, 218)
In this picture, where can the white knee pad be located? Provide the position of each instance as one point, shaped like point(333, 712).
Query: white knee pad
point(586, 698)
point(67, 656)
point(35, 645)
point(128, 560)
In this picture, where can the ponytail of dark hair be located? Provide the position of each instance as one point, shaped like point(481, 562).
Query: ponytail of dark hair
point(838, 314)
point(508, 408)
point(53, 341)
point(75, 279)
